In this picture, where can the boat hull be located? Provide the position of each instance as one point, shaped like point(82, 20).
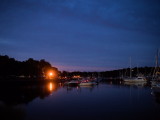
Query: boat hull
point(139, 79)
point(87, 84)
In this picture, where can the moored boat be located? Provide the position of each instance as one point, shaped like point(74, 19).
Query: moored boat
point(87, 83)
point(135, 79)
point(72, 83)
point(156, 73)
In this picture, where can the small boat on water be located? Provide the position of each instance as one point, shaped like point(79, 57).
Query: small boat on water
point(139, 78)
point(72, 83)
point(135, 83)
point(87, 83)
point(135, 79)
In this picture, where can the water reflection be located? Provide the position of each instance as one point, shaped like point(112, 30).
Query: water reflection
point(14, 98)
point(156, 93)
point(88, 88)
point(12, 112)
point(78, 88)
point(50, 100)
point(156, 97)
point(23, 94)
point(140, 84)
point(52, 87)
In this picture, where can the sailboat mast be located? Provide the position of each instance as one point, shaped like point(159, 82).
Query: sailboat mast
point(156, 70)
point(157, 56)
point(130, 69)
point(157, 63)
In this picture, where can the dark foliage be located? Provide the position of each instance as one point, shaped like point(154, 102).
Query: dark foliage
point(30, 68)
point(146, 71)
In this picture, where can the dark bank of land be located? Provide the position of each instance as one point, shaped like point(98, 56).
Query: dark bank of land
point(40, 70)
point(11, 69)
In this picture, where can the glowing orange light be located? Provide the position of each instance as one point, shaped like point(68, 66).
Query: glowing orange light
point(50, 73)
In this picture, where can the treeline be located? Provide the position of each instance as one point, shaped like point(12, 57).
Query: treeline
point(9, 67)
point(143, 71)
point(136, 71)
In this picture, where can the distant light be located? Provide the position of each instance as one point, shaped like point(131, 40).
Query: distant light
point(76, 76)
point(50, 73)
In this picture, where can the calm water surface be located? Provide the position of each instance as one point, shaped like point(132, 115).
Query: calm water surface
point(53, 101)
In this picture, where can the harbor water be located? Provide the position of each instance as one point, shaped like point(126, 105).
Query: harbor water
point(54, 101)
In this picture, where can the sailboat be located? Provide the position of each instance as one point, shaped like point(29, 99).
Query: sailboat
point(156, 74)
point(134, 79)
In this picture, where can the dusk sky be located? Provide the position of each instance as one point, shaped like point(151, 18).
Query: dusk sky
point(81, 35)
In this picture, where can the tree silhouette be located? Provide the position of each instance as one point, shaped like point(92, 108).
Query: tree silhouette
point(30, 68)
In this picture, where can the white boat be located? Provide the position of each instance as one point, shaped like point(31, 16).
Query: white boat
point(87, 83)
point(135, 83)
point(72, 83)
point(135, 79)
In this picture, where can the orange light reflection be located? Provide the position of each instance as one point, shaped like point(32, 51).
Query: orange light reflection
point(50, 86)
